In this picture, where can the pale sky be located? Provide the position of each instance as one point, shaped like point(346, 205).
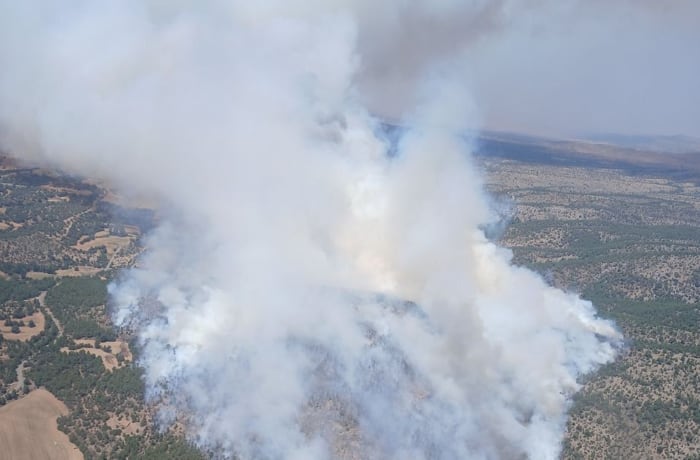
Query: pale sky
point(567, 67)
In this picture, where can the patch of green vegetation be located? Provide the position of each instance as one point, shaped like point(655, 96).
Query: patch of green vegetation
point(22, 290)
point(96, 396)
point(75, 303)
point(43, 217)
point(166, 447)
point(660, 312)
point(69, 376)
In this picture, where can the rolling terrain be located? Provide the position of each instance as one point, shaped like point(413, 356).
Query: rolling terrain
point(28, 429)
point(620, 226)
point(67, 376)
point(625, 235)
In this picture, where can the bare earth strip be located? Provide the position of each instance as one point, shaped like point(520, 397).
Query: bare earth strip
point(42, 302)
point(28, 429)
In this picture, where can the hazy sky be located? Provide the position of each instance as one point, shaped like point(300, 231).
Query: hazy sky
point(569, 67)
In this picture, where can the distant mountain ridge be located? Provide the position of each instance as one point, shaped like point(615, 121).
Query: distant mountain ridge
point(530, 149)
point(646, 158)
point(677, 143)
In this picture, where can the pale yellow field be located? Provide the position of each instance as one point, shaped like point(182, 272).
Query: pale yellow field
point(111, 243)
point(81, 271)
point(28, 429)
point(25, 332)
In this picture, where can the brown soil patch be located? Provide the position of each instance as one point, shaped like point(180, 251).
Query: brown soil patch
point(111, 243)
point(25, 332)
point(109, 360)
point(38, 275)
point(28, 429)
point(132, 230)
point(120, 347)
point(125, 425)
point(8, 224)
point(65, 190)
point(81, 271)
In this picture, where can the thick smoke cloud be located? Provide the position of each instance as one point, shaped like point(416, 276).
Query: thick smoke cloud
point(306, 294)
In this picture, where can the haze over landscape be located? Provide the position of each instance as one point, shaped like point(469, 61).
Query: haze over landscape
point(322, 274)
point(558, 68)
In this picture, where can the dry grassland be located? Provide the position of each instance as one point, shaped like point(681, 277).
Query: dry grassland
point(109, 242)
point(79, 271)
point(28, 429)
point(25, 332)
point(109, 359)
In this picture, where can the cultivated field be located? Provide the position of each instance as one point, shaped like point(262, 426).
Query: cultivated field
point(28, 429)
point(623, 234)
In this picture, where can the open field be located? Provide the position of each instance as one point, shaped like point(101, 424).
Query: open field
point(28, 429)
point(118, 354)
point(26, 331)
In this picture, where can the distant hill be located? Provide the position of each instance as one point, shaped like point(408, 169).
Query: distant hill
point(676, 157)
point(530, 149)
point(662, 144)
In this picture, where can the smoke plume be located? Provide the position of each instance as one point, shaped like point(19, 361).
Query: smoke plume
point(311, 291)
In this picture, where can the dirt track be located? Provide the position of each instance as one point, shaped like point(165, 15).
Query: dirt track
point(28, 429)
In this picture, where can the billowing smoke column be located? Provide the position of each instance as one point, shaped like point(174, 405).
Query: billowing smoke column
point(307, 295)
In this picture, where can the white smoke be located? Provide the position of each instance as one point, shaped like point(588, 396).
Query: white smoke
point(306, 295)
